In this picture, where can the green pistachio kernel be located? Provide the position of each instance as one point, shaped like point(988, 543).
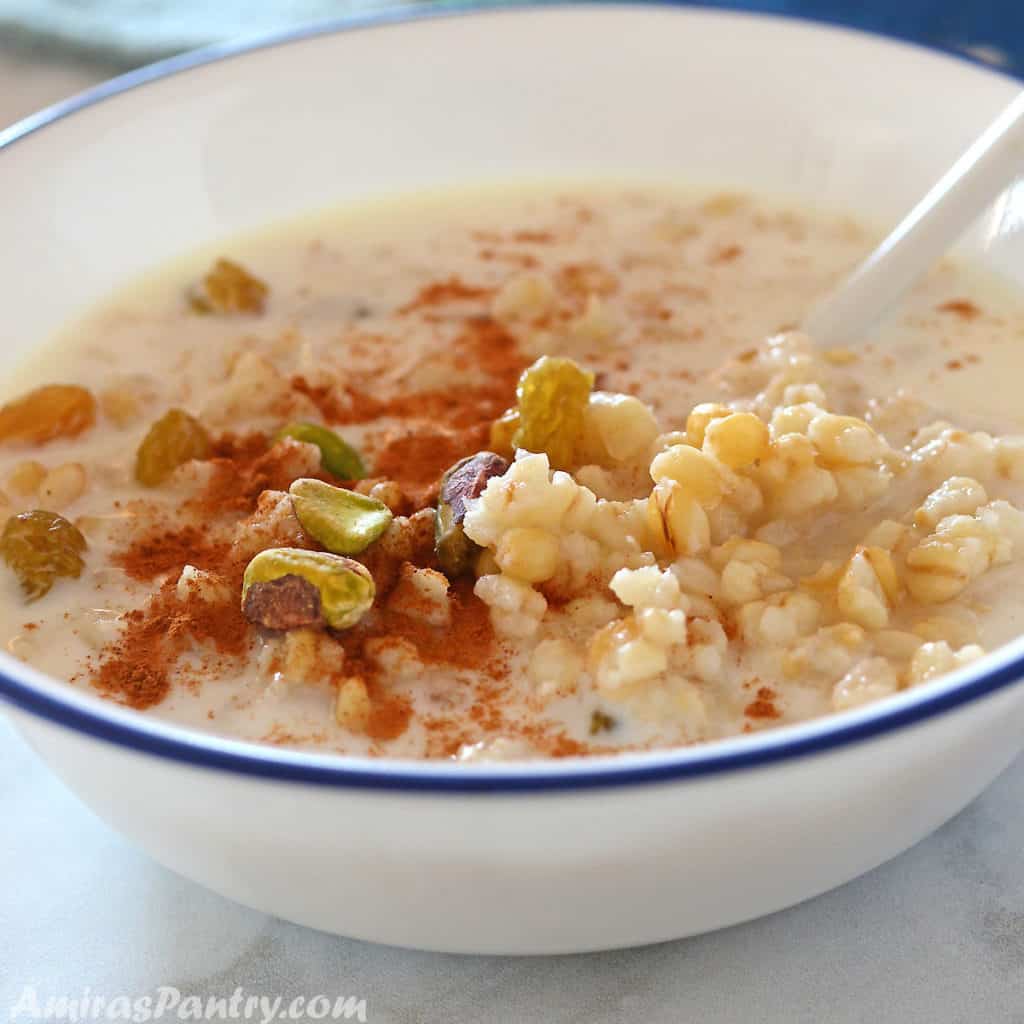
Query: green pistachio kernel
point(289, 588)
point(463, 482)
point(338, 457)
point(343, 521)
point(455, 551)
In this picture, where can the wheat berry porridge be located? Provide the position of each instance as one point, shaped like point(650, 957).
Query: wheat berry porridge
point(514, 473)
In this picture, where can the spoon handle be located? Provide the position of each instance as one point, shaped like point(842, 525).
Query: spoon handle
point(985, 169)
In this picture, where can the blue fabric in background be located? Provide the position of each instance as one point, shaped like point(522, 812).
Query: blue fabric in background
point(989, 30)
point(131, 32)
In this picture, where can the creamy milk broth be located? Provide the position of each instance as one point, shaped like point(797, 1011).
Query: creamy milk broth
point(700, 278)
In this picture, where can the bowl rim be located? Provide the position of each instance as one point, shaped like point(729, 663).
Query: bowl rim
point(31, 691)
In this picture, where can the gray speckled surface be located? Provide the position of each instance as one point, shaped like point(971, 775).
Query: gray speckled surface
point(937, 935)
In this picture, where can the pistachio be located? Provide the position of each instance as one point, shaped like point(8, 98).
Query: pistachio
point(288, 588)
point(338, 457)
point(464, 481)
point(343, 521)
point(288, 602)
point(454, 549)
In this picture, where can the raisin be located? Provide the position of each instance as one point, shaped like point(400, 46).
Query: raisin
point(503, 430)
point(553, 394)
point(39, 546)
point(48, 413)
point(229, 288)
point(173, 440)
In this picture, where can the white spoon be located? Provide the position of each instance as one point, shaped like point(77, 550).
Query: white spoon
point(986, 168)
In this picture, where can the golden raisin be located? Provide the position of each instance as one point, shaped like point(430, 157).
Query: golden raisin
point(40, 546)
point(503, 430)
point(48, 413)
point(229, 288)
point(553, 394)
point(173, 440)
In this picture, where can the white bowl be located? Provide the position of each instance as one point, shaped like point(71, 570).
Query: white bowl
point(532, 858)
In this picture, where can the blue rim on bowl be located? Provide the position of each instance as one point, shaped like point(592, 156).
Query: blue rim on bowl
point(150, 736)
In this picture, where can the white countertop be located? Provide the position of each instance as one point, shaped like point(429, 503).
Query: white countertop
point(936, 935)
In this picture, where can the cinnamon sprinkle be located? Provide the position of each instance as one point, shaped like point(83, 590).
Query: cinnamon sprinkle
point(483, 348)
point(438, 427)
point(136, 668)
point(962, 308)
point(326, 401)
point(468, 643)
point(727, 254)
point(441, 292)
point(238, 479)
point(417, 460)
point(534, 237)
point(389, 715)
point(764, 705)
point(163, 551)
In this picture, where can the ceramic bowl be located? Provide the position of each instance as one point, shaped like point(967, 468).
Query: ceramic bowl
point(530, 858)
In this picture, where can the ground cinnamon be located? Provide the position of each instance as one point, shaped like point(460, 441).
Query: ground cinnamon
point(163, 551)
point(136, 668)
point(454, 289)
point(416, 460)
point(438, 427)
point(962, 308)
point(435, 428)
point(242, 473)
point(764, 705)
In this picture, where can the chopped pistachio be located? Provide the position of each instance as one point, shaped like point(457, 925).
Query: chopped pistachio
point(600, 722)
point(464, 481)
point(288, 588)
point(338, 457)
point(343, 521)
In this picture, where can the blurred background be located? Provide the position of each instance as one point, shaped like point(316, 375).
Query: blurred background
point(51, 48)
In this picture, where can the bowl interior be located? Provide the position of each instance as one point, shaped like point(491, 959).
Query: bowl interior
point(827, 116)
point(786, 107)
